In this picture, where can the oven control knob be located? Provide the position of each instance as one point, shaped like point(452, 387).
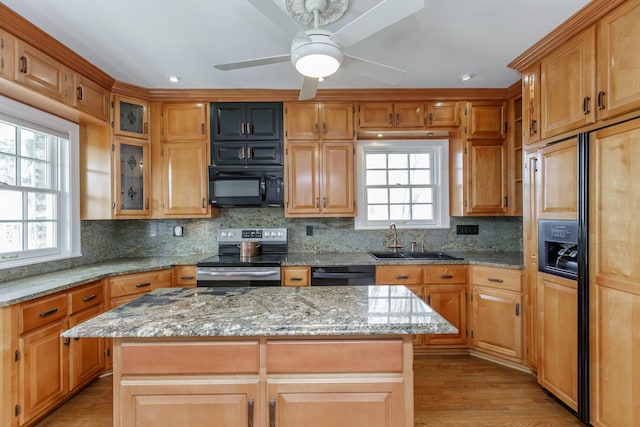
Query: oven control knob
point(230, 234)
point(279, 233)
point(223, 234)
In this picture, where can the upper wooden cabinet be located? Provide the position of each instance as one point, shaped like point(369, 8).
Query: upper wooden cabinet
point(384, 115)
point(443, 114)
point(185, 178)
point(131, 178)
point(319, 121)
point(485, 119)
point(531, 104)
point(567, 85)
point(39, 71)
point(185, 121)
point(558, 181)
point(618, 75)
point(87, 96)
point(232, 121)
point(486, 177)
point(7, 58)
point(131, 117)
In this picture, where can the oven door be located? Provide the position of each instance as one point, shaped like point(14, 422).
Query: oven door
point(237, 276)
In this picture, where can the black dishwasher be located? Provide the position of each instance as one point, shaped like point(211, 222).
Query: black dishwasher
point(343, 275)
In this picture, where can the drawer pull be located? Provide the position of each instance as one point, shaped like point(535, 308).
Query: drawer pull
point(447, 276)
point(493, 279)
point(186, 277)
point(48, 312)
point(404, 277)
point(296, 279)
point(250, 412)
point(143, 285)
point(67, 341)
point(89, 298)
point(23, 64)
point(272, 413)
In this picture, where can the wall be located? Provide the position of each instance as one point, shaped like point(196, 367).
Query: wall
point(102, 240)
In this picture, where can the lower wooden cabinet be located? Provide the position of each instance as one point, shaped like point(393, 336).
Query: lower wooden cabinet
point(296, 276)
point(336, 403)
point(189, 402)
point(184, 276)
point(450, 302)
point(558, 339)
point(86, 355)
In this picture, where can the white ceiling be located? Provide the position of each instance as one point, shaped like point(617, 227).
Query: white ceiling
point(143, 42)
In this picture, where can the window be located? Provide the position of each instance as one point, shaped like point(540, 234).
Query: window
point(39, 209)
point(403, 182)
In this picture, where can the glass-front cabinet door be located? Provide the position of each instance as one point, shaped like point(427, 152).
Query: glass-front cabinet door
point(131, 167)
point(131, 117)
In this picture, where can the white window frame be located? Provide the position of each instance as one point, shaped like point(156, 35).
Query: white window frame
point(439, 148)
point(67, 171)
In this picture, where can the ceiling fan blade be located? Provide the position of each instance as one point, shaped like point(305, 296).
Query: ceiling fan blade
point(278, 16)
point(373, 70)
point(308, 89)
point(382, 15)
point(253, 62)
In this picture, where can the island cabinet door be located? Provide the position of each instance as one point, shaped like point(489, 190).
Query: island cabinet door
point(336, 403)
point(194, 402)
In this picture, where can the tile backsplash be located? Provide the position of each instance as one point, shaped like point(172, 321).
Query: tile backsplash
point(102, 240)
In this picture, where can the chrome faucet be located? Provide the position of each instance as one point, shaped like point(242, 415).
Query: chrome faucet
point(394, 243)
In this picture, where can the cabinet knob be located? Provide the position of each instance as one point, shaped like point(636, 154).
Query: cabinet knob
point(79, 93)
point(242, 128)
point(585, 105)
point(272, 413)
point(202, 128)
point(390, 118)
point(23, 64)
point(601, 100)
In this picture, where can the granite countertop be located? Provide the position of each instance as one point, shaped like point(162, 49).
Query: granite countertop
point(514, 260)
point(16, 291)
point(267, 311)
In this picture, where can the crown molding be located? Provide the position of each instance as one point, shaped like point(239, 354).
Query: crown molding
point(578, 22)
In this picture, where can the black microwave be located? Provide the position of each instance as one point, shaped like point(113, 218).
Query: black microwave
point(249, 186)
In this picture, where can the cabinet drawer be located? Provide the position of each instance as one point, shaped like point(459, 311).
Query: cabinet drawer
point(41, 311)
point(139, 283)
point(500, 278)
point(296, 276)
point(445, 274)
point(85, 297)
point(185, 275)
point(399, 275)
point(334, 356)
point(203, 358)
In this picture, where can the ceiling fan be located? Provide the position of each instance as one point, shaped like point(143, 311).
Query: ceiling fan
point(316, 52)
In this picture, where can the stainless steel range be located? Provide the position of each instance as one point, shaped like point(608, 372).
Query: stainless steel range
point(229, 268)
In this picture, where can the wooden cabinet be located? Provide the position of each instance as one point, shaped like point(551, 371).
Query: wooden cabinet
point(131, 178)
point(486, 177)
point(320, 179)
point(614, 274)
point(485, 120)
point(38, 71)
point(319, 121)
point(443, 114)
point(567, 85)
point(296, 276)
point(131, 117)
point(184, 159)
point(87, 96)
point(531, 104)
point(233, 121)
point(184, 276)
point(339, 403)
point(443, 287)
point(185, 121)
point(558, 181)
point(515, 157)
point(618, 70)
point(558, 320)
point(384, 115)
point(252, 153)
point(497, 311)
point(7, 58)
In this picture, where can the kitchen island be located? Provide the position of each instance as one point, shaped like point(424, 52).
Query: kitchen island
point(339, 356)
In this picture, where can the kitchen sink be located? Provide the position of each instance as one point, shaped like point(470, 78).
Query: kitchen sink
point(414, 255)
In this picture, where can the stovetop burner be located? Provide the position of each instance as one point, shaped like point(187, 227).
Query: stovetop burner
point(272, 247)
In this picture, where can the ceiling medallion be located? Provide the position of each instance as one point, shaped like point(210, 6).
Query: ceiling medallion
point(329, 10)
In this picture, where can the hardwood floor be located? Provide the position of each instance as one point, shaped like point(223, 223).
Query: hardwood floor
point(449, 391)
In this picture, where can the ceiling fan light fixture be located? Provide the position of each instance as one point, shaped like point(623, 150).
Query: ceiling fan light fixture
point(317, 56)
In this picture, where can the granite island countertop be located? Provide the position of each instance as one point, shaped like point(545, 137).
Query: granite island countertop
point(267, 311)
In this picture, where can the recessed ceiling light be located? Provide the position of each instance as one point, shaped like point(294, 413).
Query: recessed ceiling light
point(466, 76)
point(174, 79)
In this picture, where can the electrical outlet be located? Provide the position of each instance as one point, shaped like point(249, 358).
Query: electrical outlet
point(466, 229)
point(309, 230)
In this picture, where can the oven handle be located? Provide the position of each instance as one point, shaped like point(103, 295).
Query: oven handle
point(236, 273)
